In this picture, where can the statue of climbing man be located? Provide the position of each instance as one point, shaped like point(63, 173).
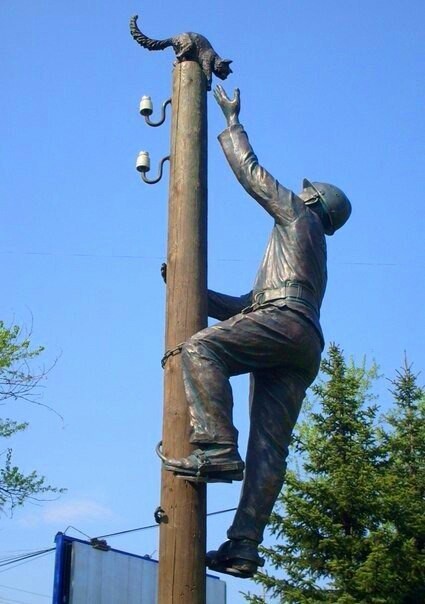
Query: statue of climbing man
point(274, 334)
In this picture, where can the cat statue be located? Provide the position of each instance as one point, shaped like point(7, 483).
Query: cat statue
point(188, 47)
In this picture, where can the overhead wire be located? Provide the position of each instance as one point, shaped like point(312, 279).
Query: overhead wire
point(15, 561)
point(25, 591)
point(144, 257)
point(32, 554)
point(9, 601)
point(149, 526)
point(81, 255)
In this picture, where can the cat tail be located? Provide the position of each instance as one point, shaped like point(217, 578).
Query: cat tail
point(144, 40)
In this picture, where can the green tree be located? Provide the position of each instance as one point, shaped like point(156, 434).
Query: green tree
point(350, 523)
point(395, 566)
point(18, 382)
point(331, 503)
point(401, 540)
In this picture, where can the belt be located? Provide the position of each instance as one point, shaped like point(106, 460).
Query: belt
point(291, 290)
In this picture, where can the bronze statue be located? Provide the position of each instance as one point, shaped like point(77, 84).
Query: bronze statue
point(188, 46)
point(274, 334)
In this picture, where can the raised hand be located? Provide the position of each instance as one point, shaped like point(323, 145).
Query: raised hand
point(230, 107)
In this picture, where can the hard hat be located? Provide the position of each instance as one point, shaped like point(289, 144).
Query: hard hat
point(334, 201)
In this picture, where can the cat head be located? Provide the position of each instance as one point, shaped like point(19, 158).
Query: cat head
point(222, 68)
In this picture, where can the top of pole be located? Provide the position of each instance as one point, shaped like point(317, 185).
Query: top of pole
point(188, 46)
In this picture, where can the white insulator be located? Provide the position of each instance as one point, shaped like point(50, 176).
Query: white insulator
point(146, 106)
point(143, 162)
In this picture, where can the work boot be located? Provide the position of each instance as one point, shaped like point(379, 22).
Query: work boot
point(237, 557)
point(211, 463)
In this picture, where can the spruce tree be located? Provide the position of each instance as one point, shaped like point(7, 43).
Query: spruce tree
point(403, 530)
point(350, 522)
point(330, 505)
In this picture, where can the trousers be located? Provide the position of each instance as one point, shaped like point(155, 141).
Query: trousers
point(281, 350)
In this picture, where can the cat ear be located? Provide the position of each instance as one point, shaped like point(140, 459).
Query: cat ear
point(226, 63)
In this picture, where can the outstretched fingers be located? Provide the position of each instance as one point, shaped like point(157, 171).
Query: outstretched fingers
point(220, 95)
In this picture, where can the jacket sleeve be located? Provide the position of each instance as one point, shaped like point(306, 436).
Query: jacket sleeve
point(222, 306)
point(279, 202)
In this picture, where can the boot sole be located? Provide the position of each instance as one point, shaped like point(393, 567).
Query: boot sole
point(227, 477)
point(230, 468)
point(237, 567)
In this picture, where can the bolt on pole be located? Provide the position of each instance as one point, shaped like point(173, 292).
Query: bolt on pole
point(182, 575)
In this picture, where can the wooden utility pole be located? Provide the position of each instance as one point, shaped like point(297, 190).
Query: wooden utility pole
point(182, 573)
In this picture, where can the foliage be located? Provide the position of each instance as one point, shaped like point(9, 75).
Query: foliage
point(349, 523)
point(404, 533)
point(18, 382)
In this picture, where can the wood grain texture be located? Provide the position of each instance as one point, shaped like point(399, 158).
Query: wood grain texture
point(182, 573)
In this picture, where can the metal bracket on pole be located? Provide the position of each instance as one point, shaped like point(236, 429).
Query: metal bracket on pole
point(146, 109)
point(143, 165)
point(143, 162)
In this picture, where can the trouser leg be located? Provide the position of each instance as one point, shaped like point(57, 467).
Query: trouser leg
point(276, 401)
point(209, 394)
point(271, 343)
point(209, 359)
point(242, 344)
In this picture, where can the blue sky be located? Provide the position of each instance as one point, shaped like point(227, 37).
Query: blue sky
point(332, 91)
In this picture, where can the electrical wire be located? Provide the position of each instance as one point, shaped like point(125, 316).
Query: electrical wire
point(27, 561)
point(28, 557)
point(134, 530)
point(143, 257)
point(20, 560)
point(24, 591)
point(9, 601)
point(222, 512)
point(150, 526)
point(83, 255)
point(103, 256)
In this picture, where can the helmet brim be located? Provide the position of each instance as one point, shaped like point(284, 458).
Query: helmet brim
point(306, 184)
